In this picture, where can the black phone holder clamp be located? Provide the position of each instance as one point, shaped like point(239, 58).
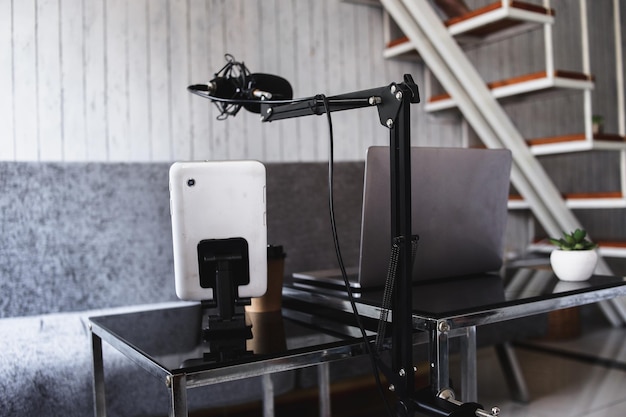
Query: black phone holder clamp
point(443, 404)
point(223, 266)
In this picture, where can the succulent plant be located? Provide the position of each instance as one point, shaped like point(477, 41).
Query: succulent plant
point(575, 240)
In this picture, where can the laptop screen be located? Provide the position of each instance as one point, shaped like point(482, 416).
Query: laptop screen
point(459, 211)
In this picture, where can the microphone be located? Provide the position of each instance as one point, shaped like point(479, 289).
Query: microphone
point(265, 87)
point(222, 87)
point(234, 87)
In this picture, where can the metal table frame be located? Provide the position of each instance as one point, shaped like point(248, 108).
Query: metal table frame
point(436, 329)
point(178, 382)
point(441, 327)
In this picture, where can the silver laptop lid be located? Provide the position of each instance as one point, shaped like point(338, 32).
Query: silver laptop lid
point(459, 212)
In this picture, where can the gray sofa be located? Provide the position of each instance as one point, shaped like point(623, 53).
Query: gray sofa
point(86, 239)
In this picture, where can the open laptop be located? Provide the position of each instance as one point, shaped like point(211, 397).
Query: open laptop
point(459, 211)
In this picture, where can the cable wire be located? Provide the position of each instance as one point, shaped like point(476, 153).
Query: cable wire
point(331, 206)
point(200, 90)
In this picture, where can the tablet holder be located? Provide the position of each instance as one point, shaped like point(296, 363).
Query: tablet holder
point(223, 266)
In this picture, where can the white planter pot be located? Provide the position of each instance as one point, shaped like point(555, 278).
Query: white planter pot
point(573, 265)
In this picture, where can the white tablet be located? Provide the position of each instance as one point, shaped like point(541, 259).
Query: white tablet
point(218, 206)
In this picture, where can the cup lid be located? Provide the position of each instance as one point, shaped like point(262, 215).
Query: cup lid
point(275, 252)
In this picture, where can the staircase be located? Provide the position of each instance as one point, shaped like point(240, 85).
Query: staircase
point(454, 84)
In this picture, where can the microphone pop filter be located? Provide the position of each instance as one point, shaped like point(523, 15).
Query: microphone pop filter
point(278, 87)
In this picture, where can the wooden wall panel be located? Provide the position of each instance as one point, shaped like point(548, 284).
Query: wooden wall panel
point(49, 121)
point(116, 67)
point(199, 47)
point(138, 82)
point(96, 126)
point(24, 79)
point(178, 65)
point(158, 76)
point(306, 72)
point(105, 80)
point(285, 54)
point(7, 132)
point(249, 25)
point(218, 21)
point(72, 81)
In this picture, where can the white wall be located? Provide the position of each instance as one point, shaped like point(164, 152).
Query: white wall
point(105, 80)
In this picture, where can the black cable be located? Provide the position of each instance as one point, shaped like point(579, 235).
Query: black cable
point(331, 206)
point(200, 90)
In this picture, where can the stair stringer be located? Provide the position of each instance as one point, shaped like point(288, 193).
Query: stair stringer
point(458, 76)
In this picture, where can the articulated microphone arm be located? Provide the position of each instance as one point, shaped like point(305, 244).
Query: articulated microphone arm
point(387, 99)
point(393, 105)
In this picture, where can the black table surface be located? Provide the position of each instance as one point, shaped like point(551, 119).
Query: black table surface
point(465, 295)
point(173, 338)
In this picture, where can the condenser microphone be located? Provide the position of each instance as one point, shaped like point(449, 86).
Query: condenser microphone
point(223, 87)
point(218, 87)
point(265, 87)
point(234, 87)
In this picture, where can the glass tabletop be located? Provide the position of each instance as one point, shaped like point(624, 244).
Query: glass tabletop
point(512, 293)
point(174, 339)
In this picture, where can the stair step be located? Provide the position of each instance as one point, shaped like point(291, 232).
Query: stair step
point(375, 3)
point(607, 199)
point(530, 83)
point(496, 17)
point(607, 248)
point(576, 142)
point(489, 22)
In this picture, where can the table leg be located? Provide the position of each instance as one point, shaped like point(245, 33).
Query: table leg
point(268, 395)
point(469, 390)
point(178, 395)
point(99, 399)
point(323, 380)
point(439, 356)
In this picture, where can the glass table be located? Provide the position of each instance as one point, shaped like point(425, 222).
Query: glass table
point(455, 307)
point(170, 345)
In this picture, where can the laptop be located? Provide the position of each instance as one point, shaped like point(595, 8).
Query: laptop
point(459, 211)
